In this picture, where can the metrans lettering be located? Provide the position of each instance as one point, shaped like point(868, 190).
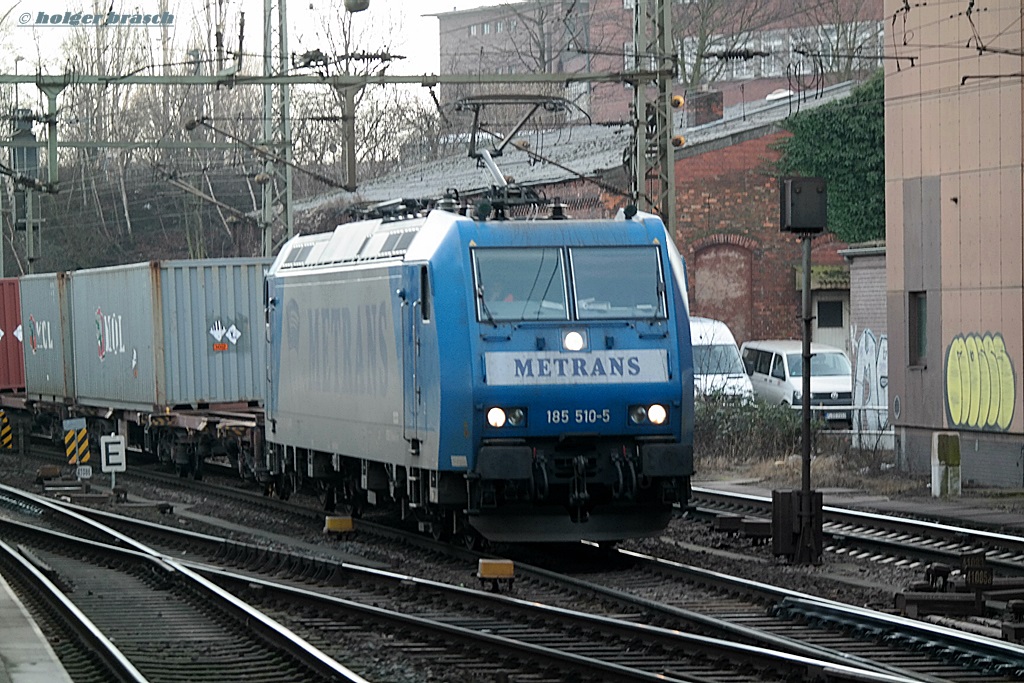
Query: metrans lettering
point(597, 367)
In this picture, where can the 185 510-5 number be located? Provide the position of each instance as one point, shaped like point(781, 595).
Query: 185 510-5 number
point(579, 416)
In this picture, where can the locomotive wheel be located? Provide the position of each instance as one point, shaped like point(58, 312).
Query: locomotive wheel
point(439, 526)
point(468, 538)
point(356, 500)
point(284, 486)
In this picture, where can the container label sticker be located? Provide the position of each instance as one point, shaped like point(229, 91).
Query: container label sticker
point(109, 334)
point(220, 333)
point(39, 335)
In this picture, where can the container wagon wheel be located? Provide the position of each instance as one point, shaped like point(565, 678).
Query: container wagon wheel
point(354, 498)
point(468, 537)
point(196, 465)
point(439, 526)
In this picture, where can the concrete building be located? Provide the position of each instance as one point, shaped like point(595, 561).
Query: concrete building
point(955, 233)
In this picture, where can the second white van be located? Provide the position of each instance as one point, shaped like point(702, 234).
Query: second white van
point(776, 371)
point(716, 361)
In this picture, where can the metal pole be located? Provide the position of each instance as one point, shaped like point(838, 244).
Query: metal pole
point(806, 553)
point(30, 246)
point(349, 123)
point(666, 153)
point(640, 106)
point(286, 121)
point(266, 213)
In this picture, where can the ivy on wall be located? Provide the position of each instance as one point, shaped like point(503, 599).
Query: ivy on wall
point(844, 142)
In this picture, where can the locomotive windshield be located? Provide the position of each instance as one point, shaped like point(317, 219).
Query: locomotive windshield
point(617, 282)
point(520, 284)
point(530, 284)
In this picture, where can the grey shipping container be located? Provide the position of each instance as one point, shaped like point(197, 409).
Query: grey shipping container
point(170, 334)
point(46, 332)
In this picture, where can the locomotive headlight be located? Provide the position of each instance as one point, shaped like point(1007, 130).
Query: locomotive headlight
point(516, 417)
point(496, 417)
point(654, 414)
point(572, 341)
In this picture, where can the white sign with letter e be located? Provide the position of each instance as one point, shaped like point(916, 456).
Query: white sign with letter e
point(112, 454)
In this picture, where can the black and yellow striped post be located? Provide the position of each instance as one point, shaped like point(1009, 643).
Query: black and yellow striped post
point(6, 433)
point(76, 441)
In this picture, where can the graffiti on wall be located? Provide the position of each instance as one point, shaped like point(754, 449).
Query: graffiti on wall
point(981, 385)
point(871, 382)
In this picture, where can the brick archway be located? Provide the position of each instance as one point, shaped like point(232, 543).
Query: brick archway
point(722, 282)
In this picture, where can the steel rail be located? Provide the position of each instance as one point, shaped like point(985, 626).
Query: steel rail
point(71, 616)
point(270, 630)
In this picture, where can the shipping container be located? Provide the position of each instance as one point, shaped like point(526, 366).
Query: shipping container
point(169, 334)
point(12, 363)
point(49, 363)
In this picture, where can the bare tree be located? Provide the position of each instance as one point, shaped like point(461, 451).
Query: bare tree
point(843, 38)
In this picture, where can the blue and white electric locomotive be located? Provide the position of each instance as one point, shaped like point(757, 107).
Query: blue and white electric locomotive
point(523, 380)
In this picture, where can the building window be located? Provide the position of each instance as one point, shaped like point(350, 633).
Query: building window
point(487, 29)
point(629, 4)
point(472, 30)
point(917, 335)
point(499, 27)
point(830, 314)
point(629, 56)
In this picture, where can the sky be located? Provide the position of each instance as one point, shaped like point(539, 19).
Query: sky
point(402, 24)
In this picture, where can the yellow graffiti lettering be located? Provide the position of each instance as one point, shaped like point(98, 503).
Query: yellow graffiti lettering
point(974, 380)
point(1007, 384)
point(993, 380)
point(954, 396)
point(981, 387)
point(984, 385)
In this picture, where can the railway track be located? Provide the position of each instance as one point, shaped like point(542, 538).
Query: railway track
point(911, 541)
point(134, 615)
point(459, 623)
point(796, 622)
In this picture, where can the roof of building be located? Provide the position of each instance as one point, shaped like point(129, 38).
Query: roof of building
point(581, 151)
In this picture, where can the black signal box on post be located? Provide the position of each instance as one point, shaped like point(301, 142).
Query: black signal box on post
point(802, 205)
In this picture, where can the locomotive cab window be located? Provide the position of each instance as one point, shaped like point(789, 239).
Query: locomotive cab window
point(424, 294)
point(519, 284)
point(618, 282)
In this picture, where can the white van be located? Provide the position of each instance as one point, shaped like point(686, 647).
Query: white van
point(776, 371)
point(716, 361)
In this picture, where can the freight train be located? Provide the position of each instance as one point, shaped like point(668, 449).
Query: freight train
point(519, 380)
